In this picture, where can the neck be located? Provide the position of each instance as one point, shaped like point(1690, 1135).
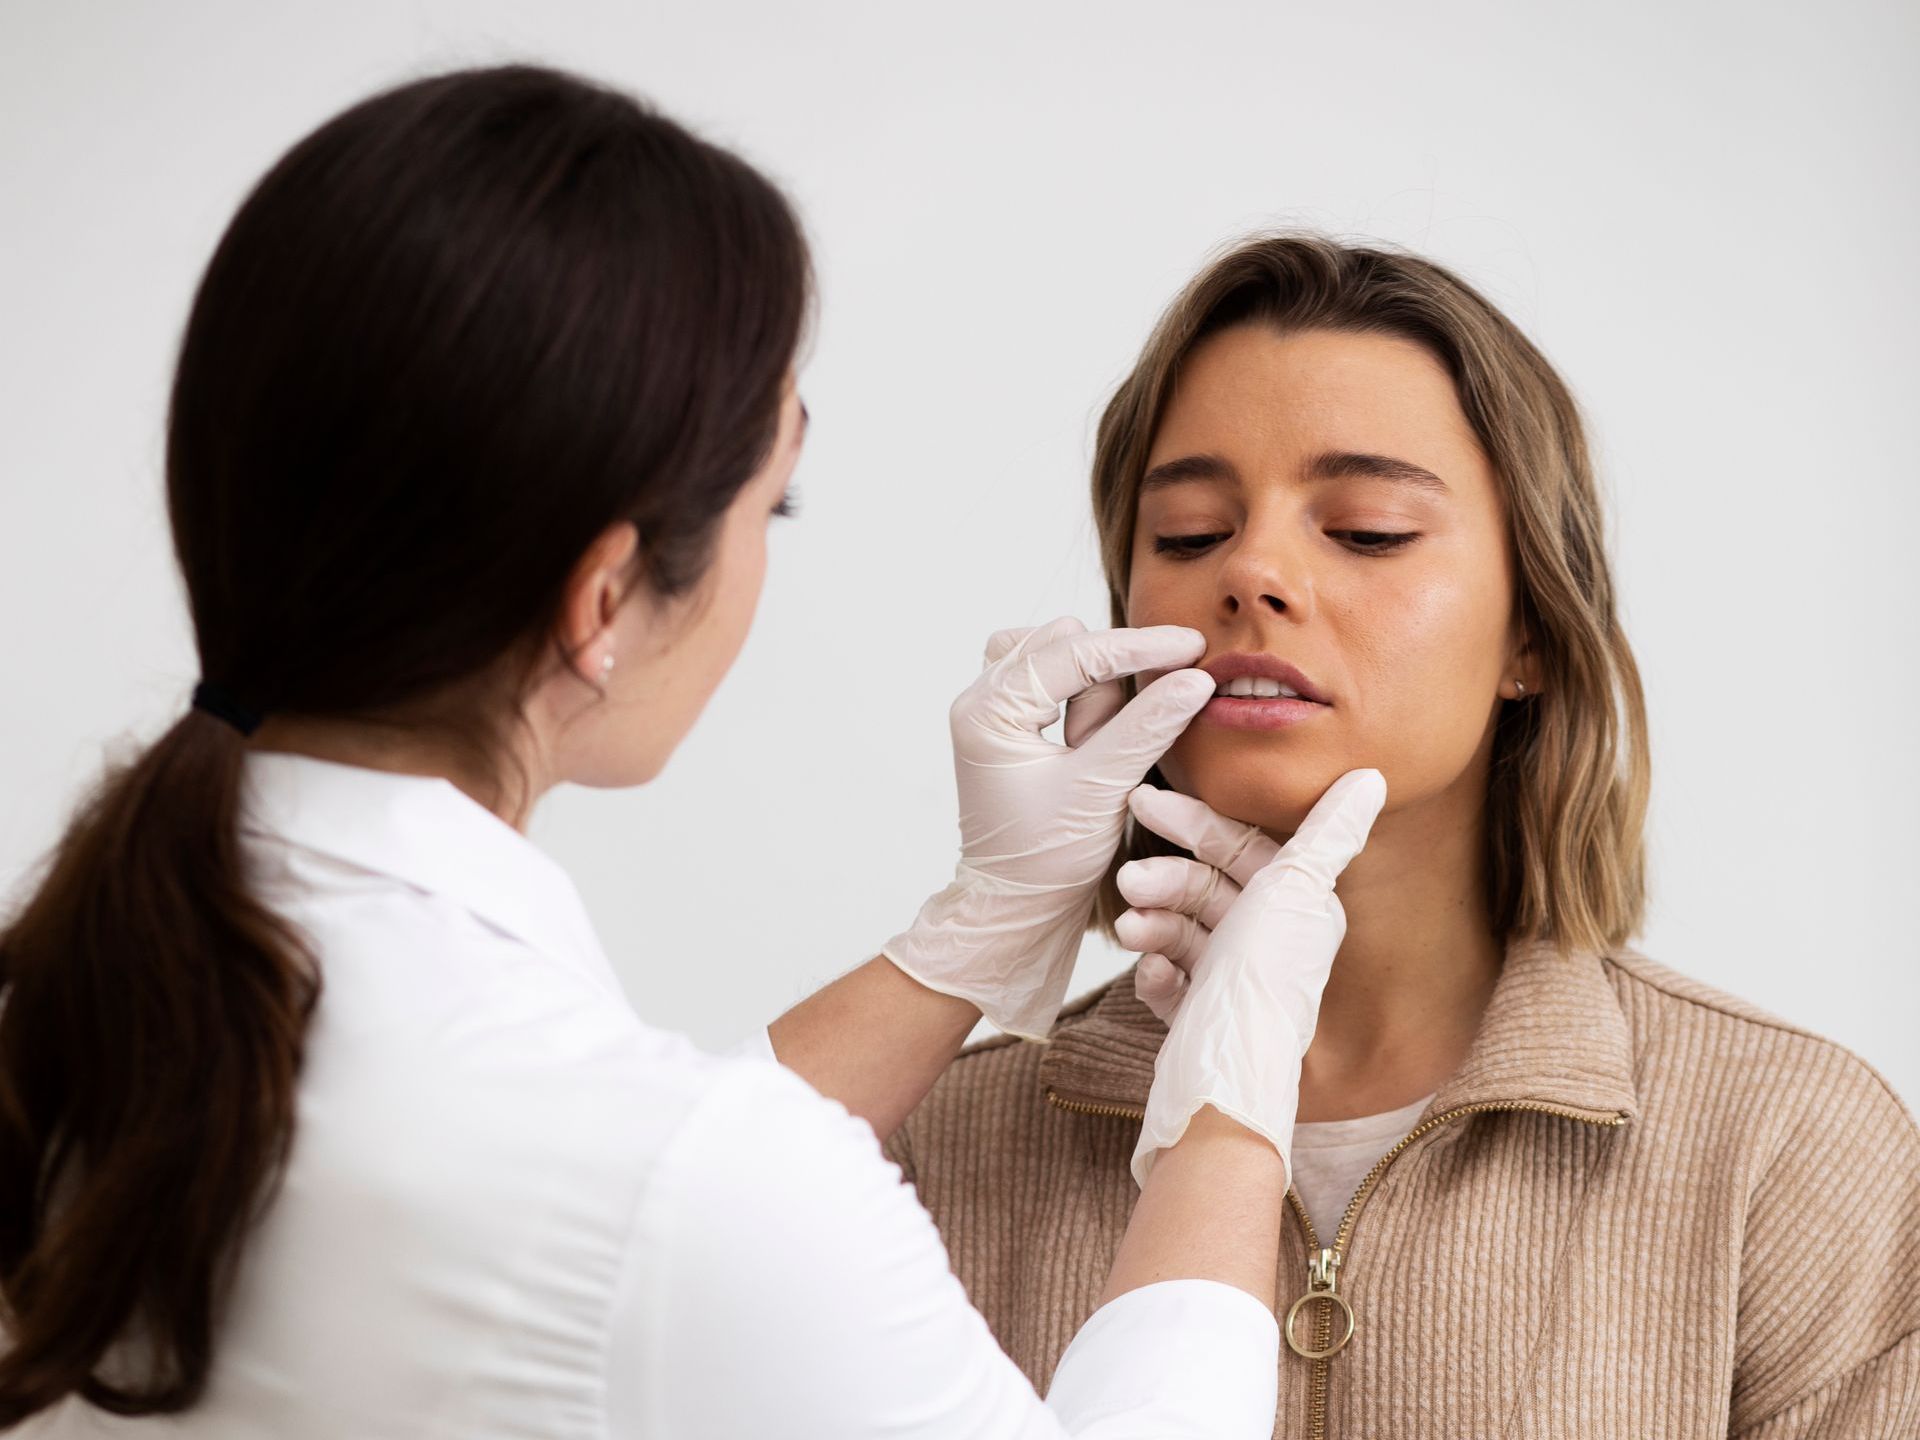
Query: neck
point(1418, 964)
point(397, 750)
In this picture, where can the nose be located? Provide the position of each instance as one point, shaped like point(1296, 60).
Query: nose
point(1261, 578)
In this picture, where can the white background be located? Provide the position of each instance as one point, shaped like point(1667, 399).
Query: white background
point(1705, 213)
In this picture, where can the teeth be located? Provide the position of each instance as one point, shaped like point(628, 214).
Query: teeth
point(1258, 687)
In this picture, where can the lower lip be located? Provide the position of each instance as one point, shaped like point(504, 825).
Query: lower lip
point(1244, 713)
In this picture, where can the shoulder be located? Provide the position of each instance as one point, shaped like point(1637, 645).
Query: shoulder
point(765, 1176)
point(762, 1101)
point(479, 1066)
point(1799, 1101)
point(1819, 1152)
point(1671, 1010)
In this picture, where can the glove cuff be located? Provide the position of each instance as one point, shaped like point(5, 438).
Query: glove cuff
point(1271, 1120)
point(1249, 1071)
point(1009, 949)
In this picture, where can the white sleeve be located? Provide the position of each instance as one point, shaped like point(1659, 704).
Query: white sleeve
point(783, 1281)
point(759, 1046)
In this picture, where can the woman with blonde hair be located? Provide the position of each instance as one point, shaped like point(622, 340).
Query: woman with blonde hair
point(1541, 1184)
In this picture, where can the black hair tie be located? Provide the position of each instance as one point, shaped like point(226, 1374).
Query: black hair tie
point(217, 701)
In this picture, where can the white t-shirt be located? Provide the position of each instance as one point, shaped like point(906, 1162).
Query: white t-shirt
point(1332, 1157)
point(513, 1209)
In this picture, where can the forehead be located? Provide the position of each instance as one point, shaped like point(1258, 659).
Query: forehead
point(1267, 399)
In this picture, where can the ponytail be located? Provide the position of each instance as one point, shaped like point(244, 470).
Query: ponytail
point(152, 1016)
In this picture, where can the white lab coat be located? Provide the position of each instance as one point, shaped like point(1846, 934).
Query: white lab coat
point(512, 1208)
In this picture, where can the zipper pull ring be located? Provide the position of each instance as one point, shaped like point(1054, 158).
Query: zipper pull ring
point(1323, 1283)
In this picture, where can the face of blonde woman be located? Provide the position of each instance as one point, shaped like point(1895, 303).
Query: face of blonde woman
point(1317, 505)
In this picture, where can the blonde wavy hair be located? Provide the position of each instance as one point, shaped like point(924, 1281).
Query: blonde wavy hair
point(1567, 792)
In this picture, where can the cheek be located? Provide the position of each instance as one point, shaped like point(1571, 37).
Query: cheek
point(731, 589)
point(1164, 599)
point(1424, 661)
point(746, 573)
point(1428, 659)
point(1161, 594)
point(1416, 658)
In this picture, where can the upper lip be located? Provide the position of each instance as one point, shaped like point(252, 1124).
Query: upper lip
point(1244, 662)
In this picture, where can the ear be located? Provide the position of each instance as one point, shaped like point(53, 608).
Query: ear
point(597, 585)
point(1522, 665)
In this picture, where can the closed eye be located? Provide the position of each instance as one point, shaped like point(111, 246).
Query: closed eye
point(1186, 544)
point(1365, 542)
point(1376, 542)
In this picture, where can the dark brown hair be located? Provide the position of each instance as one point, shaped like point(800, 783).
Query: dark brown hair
point(451, 337)
point(1567, 797)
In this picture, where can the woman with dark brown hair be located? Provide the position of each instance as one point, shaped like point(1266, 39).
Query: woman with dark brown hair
point(321, 1111)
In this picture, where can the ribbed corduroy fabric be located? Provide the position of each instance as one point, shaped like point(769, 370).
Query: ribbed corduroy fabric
point(1640, 1208)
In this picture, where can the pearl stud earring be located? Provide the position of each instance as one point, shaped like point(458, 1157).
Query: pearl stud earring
point(1519, 688)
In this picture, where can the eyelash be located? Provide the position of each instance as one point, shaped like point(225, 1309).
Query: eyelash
point(1186, 547)
point(789, 505)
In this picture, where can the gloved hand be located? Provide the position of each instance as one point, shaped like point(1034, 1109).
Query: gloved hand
point(1039, 822)
point(1256, 927)
point(1178, 902)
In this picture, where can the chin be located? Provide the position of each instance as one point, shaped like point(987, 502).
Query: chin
point(1258, 783)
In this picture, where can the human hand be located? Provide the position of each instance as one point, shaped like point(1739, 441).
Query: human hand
point(1039, 820)
point(1177, 902)
point(1255, 927)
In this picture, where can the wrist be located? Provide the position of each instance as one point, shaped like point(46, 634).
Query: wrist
point(962, 1010)
point(1007, 948)
point(1216, 1133)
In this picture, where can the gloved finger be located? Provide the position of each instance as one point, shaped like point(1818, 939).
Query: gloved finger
point(1161, 985)
point(1336, 828)
point(1133, 741)
point(1167, 882)
point(1012, 644)
point(1001, 644)
point(1240, 849)
point(986, 701)
point(1163, 932)
point(1091, 709)
point(1059, 670)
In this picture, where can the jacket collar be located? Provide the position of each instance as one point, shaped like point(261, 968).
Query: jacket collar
point(1553, 1034)
point(431, 835)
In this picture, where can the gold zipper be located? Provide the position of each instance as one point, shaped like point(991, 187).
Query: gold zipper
point(1323, 1266)
point(1323, 1269)
point(1081, 1107)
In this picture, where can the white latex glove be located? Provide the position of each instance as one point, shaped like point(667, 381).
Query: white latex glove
point(1039, 821)
point(1257, 928)
point(1177, 902)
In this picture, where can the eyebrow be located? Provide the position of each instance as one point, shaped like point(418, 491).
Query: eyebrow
point(1348, 465)
point(1185, 469)
point(1328, 465)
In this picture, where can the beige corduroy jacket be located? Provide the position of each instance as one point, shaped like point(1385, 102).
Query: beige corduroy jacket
point(1640, 1208)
